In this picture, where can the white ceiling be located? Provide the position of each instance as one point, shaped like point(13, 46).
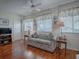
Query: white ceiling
point(22, 7)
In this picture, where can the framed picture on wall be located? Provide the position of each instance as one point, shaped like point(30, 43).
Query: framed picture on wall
point(4, 21)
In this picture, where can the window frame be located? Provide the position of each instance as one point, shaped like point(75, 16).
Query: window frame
point(44, 18)
point(73, 14)
point(28, 20)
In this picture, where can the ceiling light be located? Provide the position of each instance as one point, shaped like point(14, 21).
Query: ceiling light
point(37, 9)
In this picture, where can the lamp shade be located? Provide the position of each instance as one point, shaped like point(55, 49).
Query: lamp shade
point(59, 23)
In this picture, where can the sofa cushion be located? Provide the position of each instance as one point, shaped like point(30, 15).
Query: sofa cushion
point(42, 41)
point(34, 39)
point(51, 37)
point(47, 42)
point(44, 36)
point(48, 36)
point(35, 35)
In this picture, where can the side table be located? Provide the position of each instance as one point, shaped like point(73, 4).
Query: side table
point(25, 38)
point(59, 42)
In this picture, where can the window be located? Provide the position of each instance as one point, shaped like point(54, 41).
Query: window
point(76, 24)
point(28, 25)
point(44, 24)
point(71, 21)
point(67, 24)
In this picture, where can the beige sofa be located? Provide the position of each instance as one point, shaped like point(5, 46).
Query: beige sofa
point(43, 41)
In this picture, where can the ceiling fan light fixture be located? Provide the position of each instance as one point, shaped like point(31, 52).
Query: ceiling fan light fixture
point(38, 9)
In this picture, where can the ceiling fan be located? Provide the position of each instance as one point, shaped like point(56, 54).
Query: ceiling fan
point(35, 6)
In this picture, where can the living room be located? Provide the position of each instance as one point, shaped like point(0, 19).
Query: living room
point(32, 29)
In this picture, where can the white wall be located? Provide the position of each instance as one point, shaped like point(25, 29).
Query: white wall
point(72, 40)
point(17, 28)
point(14, 23)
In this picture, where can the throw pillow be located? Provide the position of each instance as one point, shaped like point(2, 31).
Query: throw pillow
point(50, 36)
point(35, 35)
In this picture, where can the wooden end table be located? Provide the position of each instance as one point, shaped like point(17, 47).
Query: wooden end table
point(25, 39)
point(25, 36)
point(59, 42)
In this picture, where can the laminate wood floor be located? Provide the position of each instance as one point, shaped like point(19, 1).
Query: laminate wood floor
point(19, 50)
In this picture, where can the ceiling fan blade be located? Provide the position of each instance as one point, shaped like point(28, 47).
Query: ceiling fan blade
point(35, 5)
point(31, 1)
